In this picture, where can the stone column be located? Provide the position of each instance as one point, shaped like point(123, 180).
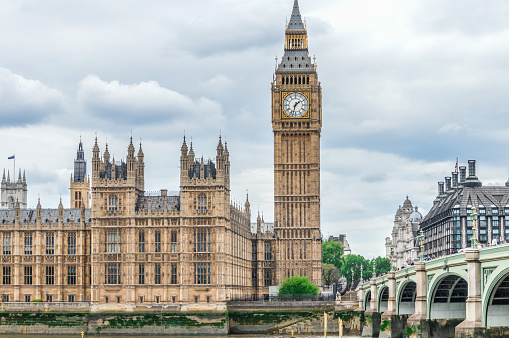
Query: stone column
point(392, 294)
point(372, 317)
point(418, 321)
point(472, 325)
point(372, 305)
point(360, 296)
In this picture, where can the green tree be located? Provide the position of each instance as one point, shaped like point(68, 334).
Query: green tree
point(382, 265)
point(298, 285)
point(354, 262)
point(332, 253)
point(330, 274)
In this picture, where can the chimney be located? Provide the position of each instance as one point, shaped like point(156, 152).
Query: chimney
point(463, 174)
point(447, 183)
point(440, 188)
point(471, 168)
point(454, 180)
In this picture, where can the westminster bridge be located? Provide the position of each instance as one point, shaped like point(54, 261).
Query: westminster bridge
point(463, 295)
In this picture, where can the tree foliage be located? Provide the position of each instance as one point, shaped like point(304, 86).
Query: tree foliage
point(330, 274)
point(332, 253)
point(297, 285)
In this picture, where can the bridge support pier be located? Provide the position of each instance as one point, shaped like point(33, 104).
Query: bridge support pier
point(391, 324)
point(372, 317)
point(417, 324)
point(472, 325)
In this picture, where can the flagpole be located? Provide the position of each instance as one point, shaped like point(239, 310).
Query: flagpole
point(14, 173)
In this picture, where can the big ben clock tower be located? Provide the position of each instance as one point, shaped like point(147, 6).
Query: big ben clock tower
point(296, 123)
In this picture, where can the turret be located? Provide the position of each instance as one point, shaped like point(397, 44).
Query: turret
point(106, 155)
point(184, 159)
point(96, 161)
point(131, 161)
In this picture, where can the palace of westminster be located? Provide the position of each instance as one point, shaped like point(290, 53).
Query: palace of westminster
point(126, 246)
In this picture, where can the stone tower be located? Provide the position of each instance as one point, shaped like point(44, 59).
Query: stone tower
point(80, 182)
point(296, 123)
point(14, 191)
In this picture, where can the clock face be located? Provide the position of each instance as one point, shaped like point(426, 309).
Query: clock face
point(295, 105)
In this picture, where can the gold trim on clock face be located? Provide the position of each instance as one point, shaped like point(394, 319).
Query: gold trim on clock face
point(295, 105)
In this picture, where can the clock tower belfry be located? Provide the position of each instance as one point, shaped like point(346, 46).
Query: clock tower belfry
point(296, 123)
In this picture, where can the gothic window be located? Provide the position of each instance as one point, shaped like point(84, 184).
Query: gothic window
point(202, 203)
point(71, 275)
point(28, 244)
point(113, 241)
point(141, 241)
point(202, 240)
point(253, 251)
point(50, 244)
point(6, 275)
point(7, 248)
point(50, 275)
point(268, 251)
point(113, 203)
point(28, 275)
point(71, 244)
point(141, 273)
point(157, 274)
point(202, 273)
point(157, 242)
point(112, 273)
point(173, 274)
point(174, 241)
point(267, 277)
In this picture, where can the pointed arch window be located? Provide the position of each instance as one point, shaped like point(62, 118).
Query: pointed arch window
point(113, 203)
point(202, 203)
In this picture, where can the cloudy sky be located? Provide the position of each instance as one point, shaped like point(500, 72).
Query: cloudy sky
point(408, 86)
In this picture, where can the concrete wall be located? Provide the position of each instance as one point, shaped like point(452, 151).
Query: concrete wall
point(448, 311)
point(497, 315)
point(406, 308)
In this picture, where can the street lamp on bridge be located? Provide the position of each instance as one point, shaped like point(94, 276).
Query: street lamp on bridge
point(474, 241)
point(421, 241)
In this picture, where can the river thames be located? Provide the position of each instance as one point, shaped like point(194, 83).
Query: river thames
point(229, 336)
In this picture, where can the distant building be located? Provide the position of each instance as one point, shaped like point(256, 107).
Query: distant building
point(341, 239)
point(403, 241)
point(14, 191)
point(448, 225)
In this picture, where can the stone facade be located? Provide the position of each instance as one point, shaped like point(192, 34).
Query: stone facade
point(80, 182)
point(192, 248)
point(448, 227)
point(297, 123)
point(404, 242)
point(14, 191)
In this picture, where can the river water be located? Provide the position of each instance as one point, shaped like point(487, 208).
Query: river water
point(230, 336)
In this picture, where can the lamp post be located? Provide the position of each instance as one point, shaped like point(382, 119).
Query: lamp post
point(374, 271)
point(473, 243)
point(392, 259)
point(421, 242)
point(352, 275)
point(362, 269)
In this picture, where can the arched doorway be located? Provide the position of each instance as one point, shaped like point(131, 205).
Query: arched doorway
point(367, 300)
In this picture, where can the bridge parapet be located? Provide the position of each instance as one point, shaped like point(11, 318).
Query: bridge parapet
point(472, 286)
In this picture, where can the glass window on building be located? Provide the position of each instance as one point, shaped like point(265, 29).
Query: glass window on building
point(50, 275)
point(202, 240)
point(113, 241)
point(174, 241)
point(7, 246)
point(157, 274)
point(141, 273)
point(173, 274)
point(6, 275)
point(112, 273)
point(202, 273)
point(71, 244)
point(28, 244)
point(71, 275)
point(157, 241)
point(141, 241)
point(50, 244)
point(28, 275)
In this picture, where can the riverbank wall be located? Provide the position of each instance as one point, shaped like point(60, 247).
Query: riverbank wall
point(210, 319)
